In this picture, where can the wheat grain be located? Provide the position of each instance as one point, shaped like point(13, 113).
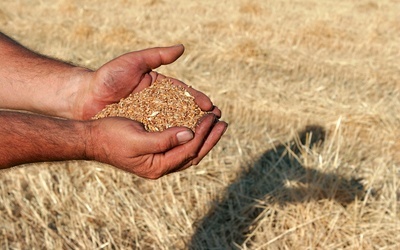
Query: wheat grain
point(158, 107)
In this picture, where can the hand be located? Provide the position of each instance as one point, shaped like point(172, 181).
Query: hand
point(127, 145)
point(128, 74)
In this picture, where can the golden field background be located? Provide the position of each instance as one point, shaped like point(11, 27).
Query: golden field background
point(311, 90)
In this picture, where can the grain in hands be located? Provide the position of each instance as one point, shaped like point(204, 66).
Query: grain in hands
point(158, 107)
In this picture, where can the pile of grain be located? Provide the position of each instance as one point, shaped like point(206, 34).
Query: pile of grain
point(158, 107)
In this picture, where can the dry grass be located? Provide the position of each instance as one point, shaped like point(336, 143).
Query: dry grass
point(311, 158)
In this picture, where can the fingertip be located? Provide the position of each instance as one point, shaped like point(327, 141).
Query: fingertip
point(179, 45)
point(179, 49)
point(216, 111)
point(225, 127)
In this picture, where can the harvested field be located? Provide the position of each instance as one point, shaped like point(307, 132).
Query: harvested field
point(311, 90)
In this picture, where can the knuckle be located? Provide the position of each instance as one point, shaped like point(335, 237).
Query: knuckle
point(196, 161)
point(190, 156)
point(190, 159)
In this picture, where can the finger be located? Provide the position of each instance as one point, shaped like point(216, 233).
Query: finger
point(147, 80)
point(167, 161)
point(180, 156)
point(216, 111)
point(160, 142)
point(152, 58)
point(213, 138)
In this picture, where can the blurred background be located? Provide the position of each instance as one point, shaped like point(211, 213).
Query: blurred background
point(311, 90)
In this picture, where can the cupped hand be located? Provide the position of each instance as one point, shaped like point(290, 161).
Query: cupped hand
point(128, 74)
point(125, 144)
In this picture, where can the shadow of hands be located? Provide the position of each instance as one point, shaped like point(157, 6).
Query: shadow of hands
point(279, 176)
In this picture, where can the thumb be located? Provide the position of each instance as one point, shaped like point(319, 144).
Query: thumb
point(155, 57)
point(160, 142)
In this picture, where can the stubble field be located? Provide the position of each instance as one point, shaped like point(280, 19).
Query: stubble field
point(310, 89)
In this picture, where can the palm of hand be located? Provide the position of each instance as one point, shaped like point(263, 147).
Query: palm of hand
point(113, 81)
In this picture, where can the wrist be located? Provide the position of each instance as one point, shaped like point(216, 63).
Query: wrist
point(89, 130)
point(68, 95)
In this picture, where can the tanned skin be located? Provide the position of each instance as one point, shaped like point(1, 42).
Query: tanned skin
point(35, 138)
point(61, 98)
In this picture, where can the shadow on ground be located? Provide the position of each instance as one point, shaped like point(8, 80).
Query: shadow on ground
point(233, 216)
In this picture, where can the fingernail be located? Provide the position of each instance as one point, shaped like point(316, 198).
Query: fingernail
point(184, 136)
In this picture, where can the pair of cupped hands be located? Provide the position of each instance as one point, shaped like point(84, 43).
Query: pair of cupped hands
point(124, 143)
